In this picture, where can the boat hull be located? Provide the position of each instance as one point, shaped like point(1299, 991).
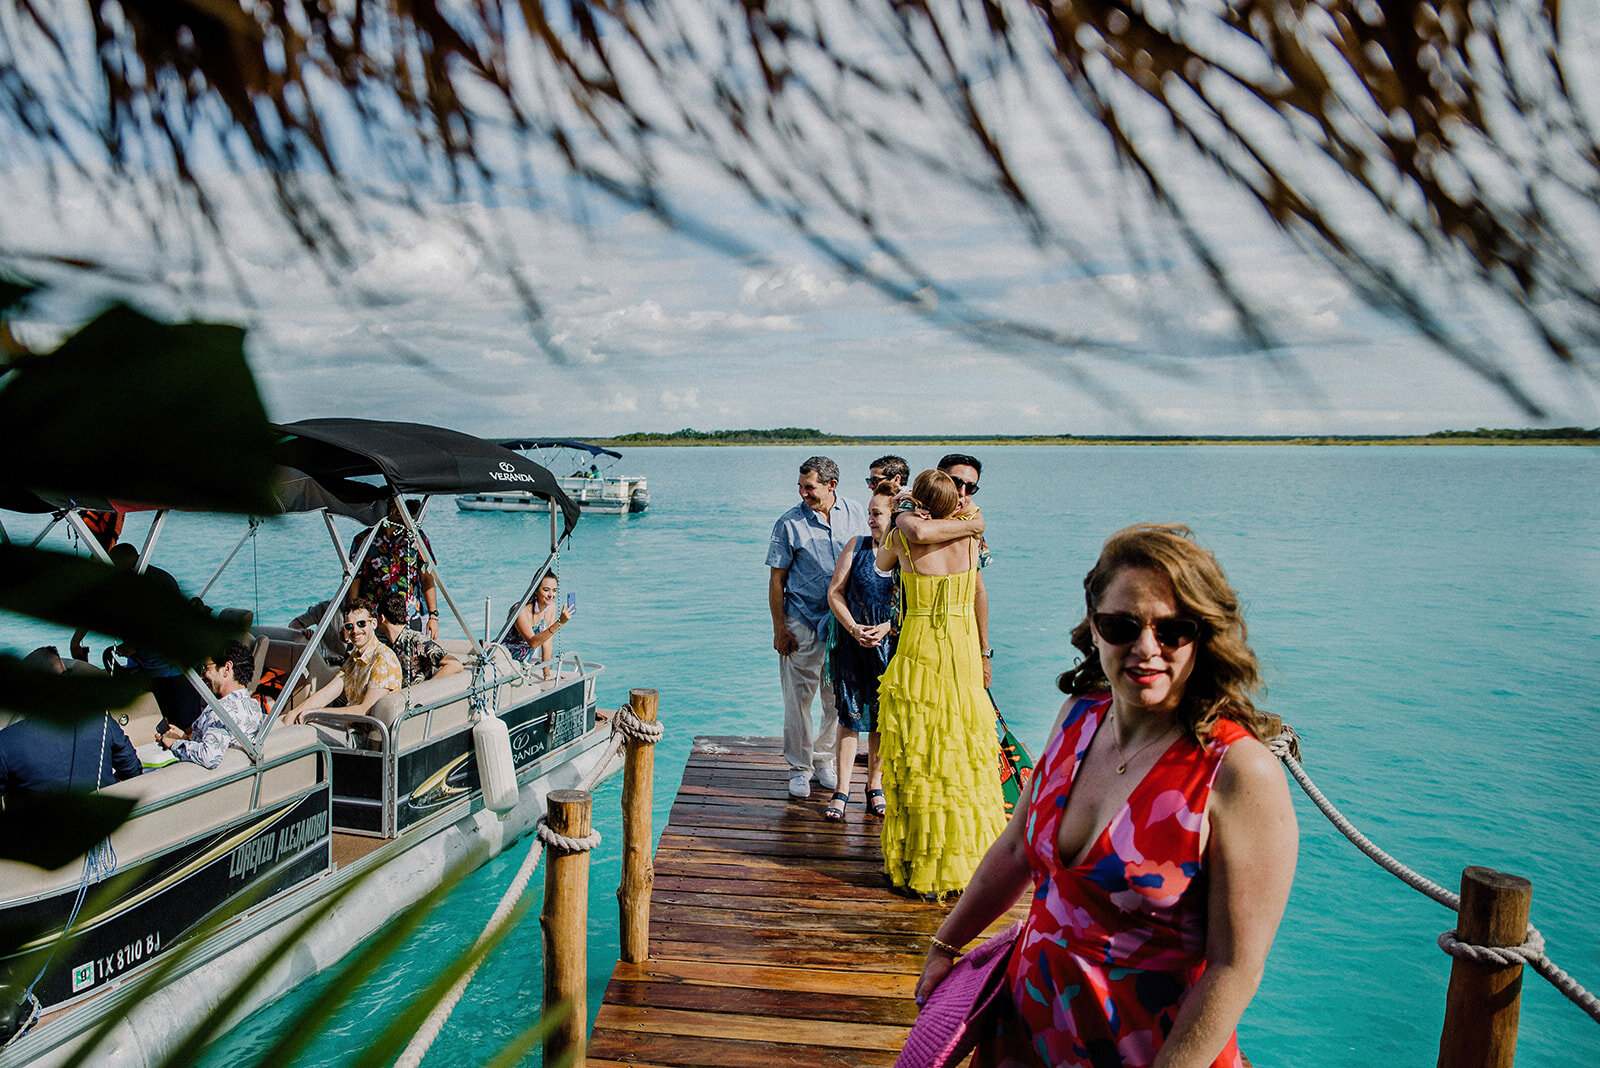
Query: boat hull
point(152, 1022)
point(596, 496)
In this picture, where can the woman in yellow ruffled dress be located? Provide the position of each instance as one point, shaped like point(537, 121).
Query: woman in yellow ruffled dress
point(937, 737)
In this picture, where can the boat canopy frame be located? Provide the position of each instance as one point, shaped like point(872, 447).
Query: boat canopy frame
point(322, 464)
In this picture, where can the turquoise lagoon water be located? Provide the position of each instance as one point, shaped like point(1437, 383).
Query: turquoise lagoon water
point(1426, 617)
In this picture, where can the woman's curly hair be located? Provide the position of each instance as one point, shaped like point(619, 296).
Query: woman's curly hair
point(1226, 673)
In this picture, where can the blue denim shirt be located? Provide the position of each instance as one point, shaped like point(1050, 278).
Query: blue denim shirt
point(808, 548)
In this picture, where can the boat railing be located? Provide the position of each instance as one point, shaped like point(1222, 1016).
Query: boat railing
point(486, 685)
point(154, 792)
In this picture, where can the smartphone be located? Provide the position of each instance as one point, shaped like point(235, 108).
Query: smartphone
point(572, 600)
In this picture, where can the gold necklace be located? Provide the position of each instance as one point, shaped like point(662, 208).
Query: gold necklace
point(1122, 768)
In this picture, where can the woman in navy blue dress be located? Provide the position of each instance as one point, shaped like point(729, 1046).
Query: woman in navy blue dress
point(862, 599)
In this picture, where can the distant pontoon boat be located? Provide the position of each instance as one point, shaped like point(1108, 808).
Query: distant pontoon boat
point(594, 488)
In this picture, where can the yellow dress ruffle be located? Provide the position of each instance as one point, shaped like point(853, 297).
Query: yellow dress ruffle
point(938, 742)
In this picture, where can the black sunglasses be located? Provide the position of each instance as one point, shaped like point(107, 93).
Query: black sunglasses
point(962, 485)
point(360, 624)
point(1115, 628)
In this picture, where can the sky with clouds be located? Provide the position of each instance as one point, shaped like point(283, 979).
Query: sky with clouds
point(649, 329)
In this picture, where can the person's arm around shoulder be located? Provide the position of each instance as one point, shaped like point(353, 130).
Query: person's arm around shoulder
point(1251, 854)
point(936, 531)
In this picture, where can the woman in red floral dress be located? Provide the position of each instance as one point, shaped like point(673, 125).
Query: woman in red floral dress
point(1157, 831)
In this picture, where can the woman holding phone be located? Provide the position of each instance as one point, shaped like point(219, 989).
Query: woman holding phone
point(536, 624)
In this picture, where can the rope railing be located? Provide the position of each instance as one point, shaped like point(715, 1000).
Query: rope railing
point(1531, 951)
point(625, 725)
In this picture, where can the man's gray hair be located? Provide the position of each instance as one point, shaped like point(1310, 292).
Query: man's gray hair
point(822, 467)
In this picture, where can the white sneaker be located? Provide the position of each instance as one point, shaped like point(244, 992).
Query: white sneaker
point(828, 776)
point(800, 784)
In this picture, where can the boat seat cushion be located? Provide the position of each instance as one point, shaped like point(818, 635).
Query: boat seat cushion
point(391, 708)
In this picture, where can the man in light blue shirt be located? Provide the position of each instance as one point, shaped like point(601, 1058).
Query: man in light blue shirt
point(806, 542)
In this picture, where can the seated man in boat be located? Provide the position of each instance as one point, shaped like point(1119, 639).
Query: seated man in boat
point(370, 672)
point(395, 564)
point(228, 677)
point(420, 657)
point(40, 757)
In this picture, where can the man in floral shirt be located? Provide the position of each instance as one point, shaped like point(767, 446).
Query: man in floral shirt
point(370, 672)
point(394, 564)
point(420, 657)
point(208, 738)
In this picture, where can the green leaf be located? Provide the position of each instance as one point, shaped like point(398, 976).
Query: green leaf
point(372, 956)
point(222, 1013)
point(131, 409)
point(170, 963)
point(514, 1052)
point(387, 1046)
point(64, 698)
point(42, 943)
point(138, 609)
point(55, 830)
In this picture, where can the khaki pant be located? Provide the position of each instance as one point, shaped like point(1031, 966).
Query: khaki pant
point(805, 747)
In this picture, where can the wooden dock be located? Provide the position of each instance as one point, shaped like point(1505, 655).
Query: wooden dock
point(773, 936)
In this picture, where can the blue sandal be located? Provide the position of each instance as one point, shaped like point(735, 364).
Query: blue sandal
point(839, 798)
point(876, 804)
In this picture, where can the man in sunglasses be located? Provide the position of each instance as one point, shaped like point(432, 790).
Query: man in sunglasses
point(891, 469)
point(964, 471)
point(371, 670)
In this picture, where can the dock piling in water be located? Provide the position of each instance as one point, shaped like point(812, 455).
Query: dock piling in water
point(1485, 1000)
point(638, 871)
point(565, 922)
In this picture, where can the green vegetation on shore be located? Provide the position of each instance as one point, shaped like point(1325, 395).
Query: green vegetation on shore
point(791, 435)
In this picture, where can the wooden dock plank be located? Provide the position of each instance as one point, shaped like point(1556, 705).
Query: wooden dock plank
point(774, 938)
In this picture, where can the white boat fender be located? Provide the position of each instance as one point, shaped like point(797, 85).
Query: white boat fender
point(496, 769)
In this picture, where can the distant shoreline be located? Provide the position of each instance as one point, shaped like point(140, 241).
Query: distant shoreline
point(1563, 436)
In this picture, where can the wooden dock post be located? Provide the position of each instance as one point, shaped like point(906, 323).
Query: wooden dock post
point(565, 922)
point(638, 868)
point(1485, 1000)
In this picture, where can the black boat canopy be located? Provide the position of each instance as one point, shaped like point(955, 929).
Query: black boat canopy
point(299, 492)
point(581, 446)
point(413, 458)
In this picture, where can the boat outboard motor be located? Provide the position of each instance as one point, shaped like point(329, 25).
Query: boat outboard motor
point(19, 1011)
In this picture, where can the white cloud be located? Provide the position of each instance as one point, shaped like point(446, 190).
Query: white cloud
point(680, 400)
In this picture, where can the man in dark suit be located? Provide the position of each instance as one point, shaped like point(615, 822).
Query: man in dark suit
point(39, 757)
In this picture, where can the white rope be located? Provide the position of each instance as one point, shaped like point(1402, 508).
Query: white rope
point(412, 1056)
point(1530, 952)
point(562, 843)
point(631, 726)
point(1531, 949)
point(418, 1047)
